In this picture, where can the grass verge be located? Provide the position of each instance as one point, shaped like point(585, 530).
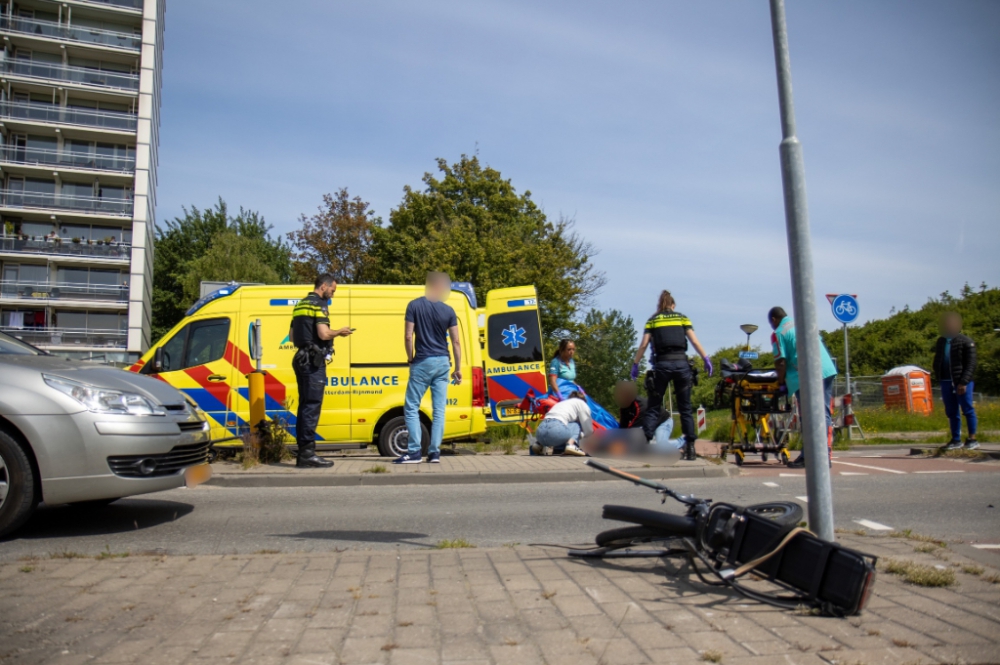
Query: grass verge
point(920, 575)
point(456, 544)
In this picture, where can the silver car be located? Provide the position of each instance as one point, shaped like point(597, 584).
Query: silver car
point(76, 432)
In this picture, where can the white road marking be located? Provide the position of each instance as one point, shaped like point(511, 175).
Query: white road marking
point(987, 546)
point(770, 484)
point(869, 456)
point(874, 526)
point(942, 471)
point(803, 498)
point(865, 466)
point(853, 473)
point(791, 475)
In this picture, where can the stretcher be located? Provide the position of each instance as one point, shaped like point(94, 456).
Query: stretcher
point(759, 409)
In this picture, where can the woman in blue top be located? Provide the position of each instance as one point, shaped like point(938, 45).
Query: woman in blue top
point(563, 366)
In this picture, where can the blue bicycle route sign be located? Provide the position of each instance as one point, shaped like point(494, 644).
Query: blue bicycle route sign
point(845, 308)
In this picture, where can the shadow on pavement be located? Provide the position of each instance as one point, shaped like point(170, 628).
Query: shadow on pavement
point(402, 537)
point(69, 521)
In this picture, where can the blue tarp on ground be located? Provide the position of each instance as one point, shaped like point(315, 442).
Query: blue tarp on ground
point(598, 413)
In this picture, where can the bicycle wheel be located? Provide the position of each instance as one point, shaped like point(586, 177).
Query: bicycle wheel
point(785, 513)
point(631, 535)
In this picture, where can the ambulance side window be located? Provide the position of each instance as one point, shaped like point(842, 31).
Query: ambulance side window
point(197, 343)
point(206, 342)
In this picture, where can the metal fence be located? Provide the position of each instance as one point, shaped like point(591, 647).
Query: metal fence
point(868, 392)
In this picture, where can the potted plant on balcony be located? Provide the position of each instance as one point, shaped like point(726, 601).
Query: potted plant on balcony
point(8, 228)
point(76, 241)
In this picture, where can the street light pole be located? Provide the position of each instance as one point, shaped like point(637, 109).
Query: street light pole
point(813, 411)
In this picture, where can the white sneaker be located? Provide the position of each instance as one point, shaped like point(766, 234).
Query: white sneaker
point(574, 450)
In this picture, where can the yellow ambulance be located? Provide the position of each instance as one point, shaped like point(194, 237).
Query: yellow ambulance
point(207, 355)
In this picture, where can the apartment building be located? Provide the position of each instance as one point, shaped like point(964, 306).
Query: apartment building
point(79, 117)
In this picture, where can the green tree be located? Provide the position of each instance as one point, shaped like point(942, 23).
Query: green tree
point(473, 224)
point(230, 258)
point(908, 337)
point(185, 239)
point(606, 344)
point(336, 240)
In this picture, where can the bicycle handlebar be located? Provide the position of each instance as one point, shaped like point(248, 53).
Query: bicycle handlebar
point(639, 480)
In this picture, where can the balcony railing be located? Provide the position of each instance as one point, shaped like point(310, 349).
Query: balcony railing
point(127, 4)
point(67, 115)
point(115, 339)
point(47, 200)
point(66, 247)
point(58, 72)
point(64, 291)
point(14, 154)
point(80, 34)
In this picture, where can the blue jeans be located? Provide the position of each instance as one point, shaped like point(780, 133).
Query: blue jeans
point(952, 403)
point(553, 433)
point(427, 373)
point(827, 398)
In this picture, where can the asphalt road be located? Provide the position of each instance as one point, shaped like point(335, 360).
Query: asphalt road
point(214, 520)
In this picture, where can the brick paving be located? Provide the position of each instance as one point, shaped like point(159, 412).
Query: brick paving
point(520, 605)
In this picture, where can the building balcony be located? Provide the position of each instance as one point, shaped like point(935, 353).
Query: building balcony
point(26, 156)
point(69, 337)
point(67, 115)
point(57, 73)
point(117, 4)
point(58, 247)
point(93, 205)
point(68, 291)
point(77, 34)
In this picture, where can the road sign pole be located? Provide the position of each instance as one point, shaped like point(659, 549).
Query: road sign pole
point(803, 292)
point(847, 373)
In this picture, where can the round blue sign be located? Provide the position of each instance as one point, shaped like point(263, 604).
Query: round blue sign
point(845, 308)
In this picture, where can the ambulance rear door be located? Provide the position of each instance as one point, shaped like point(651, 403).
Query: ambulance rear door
point(513, 351)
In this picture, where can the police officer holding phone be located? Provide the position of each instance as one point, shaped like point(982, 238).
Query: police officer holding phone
point(313, 338)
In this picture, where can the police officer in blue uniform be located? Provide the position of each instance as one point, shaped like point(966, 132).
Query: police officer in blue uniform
point(313, 338)
point(669, 332)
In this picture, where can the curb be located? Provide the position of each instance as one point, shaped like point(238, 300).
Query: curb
point(312, 479)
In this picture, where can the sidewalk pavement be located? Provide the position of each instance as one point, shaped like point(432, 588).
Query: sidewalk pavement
point(517, 468)
point(523, 605)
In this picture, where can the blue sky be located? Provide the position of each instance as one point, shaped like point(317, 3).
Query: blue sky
point(654, 125)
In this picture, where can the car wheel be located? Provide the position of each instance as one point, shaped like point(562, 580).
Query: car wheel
point(17, 485)
point(393, 440)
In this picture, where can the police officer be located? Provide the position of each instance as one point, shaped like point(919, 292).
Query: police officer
point(669, 331)
point(313, 338)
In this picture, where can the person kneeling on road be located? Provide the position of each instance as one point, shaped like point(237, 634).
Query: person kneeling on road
point(563, 427)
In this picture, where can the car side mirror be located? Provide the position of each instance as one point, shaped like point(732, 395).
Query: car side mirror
point(159, 361)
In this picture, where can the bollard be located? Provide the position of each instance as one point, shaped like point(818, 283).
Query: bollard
point(256, 396)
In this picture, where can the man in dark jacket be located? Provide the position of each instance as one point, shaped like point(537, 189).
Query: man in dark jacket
point(954, 364)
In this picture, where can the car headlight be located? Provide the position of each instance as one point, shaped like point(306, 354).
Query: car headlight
point(104, 400)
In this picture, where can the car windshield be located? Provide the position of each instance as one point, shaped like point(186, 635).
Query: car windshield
point(11, 346)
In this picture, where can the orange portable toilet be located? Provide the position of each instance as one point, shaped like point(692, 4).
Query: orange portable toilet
point(908, 387)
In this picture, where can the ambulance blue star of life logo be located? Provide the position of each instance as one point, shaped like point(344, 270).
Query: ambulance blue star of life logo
point(514, 337)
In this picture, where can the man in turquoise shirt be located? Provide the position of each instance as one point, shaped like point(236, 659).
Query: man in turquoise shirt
point(786, 361)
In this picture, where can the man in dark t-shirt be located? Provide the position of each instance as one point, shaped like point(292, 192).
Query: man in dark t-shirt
point(431, 322)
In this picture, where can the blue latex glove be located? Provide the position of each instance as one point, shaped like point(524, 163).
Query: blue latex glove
point(635, 371)
point(708, 366)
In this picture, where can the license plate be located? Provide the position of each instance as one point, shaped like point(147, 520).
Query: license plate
point(511, 412)
point(196, 475)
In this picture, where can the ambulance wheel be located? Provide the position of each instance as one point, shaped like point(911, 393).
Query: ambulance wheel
point(393, 440)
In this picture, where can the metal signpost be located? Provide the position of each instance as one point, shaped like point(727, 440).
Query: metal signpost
point(793, 180)
point(846, 310)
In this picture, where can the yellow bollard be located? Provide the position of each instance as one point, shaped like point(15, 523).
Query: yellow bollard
point(256, 395)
